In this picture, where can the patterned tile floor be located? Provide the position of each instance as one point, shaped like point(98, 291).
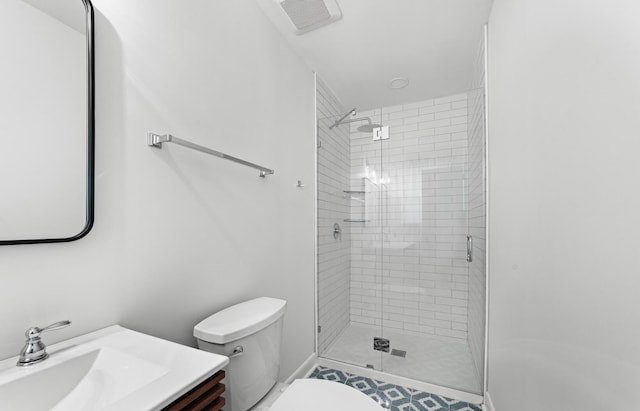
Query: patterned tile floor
point(394, 397)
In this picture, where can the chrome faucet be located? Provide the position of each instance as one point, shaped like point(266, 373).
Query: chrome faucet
point(34, 350)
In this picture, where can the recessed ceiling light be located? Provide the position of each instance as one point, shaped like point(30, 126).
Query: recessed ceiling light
point(398, 83)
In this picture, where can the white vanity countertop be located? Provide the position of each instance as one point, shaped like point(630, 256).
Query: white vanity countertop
point(110, 369)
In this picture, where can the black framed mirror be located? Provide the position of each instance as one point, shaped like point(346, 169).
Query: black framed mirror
point(46, 121)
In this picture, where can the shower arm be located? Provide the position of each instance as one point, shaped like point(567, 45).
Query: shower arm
point(351, 120)
point(337, 123)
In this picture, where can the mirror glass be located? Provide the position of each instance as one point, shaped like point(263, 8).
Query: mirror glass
point(46, 120)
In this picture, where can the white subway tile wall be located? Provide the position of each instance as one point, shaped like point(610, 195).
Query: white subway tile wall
point(409, 211)
point(333, 207)
point(477, 213)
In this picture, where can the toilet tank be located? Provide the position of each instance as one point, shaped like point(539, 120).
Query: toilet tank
point(249, 334)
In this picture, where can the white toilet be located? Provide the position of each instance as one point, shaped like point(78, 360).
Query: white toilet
point(249, 334)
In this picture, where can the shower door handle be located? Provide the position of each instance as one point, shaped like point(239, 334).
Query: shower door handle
point(469, 248)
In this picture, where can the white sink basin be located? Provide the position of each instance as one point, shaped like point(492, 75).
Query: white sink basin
point(110, 369)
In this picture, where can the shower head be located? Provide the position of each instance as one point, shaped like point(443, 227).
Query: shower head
point(365, 128)
point(369, 127)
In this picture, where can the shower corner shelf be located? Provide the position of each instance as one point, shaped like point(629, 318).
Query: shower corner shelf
point(353, 220)
point(356, 195)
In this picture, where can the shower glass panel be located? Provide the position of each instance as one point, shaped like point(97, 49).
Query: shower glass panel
point(424, 242)
point(348, 267)
point(406, 197)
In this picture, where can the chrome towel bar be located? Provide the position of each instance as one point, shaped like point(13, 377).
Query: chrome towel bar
point(156, 140)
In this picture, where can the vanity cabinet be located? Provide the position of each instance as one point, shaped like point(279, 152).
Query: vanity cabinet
point(206, 396)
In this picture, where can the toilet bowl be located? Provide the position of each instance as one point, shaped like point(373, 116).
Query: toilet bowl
point(323, 395)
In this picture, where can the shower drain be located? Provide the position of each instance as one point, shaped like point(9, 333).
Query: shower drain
point(381, 344)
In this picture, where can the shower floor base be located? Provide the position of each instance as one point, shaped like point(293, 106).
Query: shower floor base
point(430, 359)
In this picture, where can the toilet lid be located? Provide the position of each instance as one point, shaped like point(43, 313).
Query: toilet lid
point(240, 320)
point(310, 394)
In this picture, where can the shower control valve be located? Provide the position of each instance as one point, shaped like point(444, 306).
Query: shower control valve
point(337, 231)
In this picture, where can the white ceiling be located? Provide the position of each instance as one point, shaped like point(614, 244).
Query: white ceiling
point(434, 43)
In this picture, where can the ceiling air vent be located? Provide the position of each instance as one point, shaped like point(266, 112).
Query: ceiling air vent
point(307, 15)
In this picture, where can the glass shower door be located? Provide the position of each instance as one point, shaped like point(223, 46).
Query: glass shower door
point(425, 273)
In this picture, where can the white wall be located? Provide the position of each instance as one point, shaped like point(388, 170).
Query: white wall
point(179, 234)
point(563, 169)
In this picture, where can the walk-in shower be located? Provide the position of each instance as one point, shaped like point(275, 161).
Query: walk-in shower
point(398, 290)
